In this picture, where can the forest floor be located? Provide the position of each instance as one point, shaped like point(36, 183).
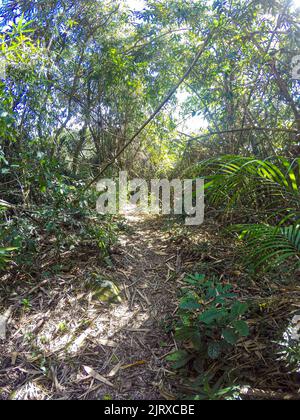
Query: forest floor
point(62, 343)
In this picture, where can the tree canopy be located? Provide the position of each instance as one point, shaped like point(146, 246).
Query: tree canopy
point(166, 89)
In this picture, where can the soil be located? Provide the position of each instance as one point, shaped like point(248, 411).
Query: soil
point(62, 344)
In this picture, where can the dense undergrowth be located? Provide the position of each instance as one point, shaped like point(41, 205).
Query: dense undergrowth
point(91, 88)
point(265, 193)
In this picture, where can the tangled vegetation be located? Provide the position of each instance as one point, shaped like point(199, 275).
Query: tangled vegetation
point(160, 89)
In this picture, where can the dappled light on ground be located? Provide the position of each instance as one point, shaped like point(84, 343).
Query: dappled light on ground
point(66, 344)
point(64, 328)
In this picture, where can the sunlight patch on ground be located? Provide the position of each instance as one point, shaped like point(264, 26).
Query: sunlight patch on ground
point(67, 333)
point(132, 213)
point(30, 391)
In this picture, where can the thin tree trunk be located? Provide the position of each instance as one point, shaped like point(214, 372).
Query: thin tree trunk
point(154, 114)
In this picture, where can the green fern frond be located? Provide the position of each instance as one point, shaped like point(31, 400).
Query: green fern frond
point(235, 182)
point(270, 245)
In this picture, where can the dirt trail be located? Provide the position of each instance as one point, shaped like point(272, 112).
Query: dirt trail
point(148, 265)
point(62, 343)
point(59, 346)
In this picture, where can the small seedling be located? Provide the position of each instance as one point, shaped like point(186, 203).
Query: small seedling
point(26, 304)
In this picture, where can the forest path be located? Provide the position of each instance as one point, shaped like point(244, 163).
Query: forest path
point(64, 344)
point(146, 266)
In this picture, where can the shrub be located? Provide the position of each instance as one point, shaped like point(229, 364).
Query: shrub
point(210, 321)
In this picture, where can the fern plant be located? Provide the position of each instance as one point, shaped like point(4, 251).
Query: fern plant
point(265, 188)
point(265, 191)
point(269, 246)
point(5, 252)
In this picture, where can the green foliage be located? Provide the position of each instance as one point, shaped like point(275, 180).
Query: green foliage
point(81, 79)
point(206, 390)
point(20, 59)
point(64, 225)
point(266, 191)
point(26, 304)
point(266, 187)
point(5, 252)
point(210, 321)
point(210, 324)
point(5, 256)
point(290, 353)
point(270, 246)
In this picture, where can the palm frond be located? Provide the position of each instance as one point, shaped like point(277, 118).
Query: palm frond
point(5, 252)
point(266, 191)
point(270, 245)
point(269, 186)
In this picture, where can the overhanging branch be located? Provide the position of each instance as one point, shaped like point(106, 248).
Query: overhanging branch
point(154, 114)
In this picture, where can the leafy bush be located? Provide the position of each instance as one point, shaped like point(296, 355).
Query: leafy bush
point(210, 322)
point(62, 225)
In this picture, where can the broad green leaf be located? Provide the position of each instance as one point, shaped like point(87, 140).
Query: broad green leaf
point(214, 350)
point(239, 309)
point(242, 328)
point(212, 315)
point(179, 358)
point(195, 280)
point(190, 303)
point(230, 336)
point(187, 333)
